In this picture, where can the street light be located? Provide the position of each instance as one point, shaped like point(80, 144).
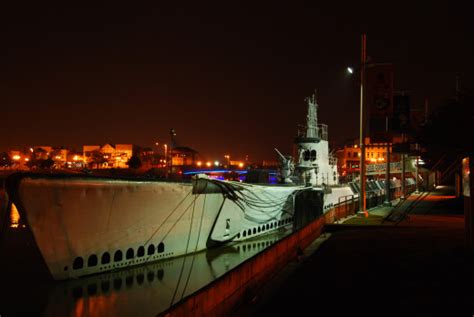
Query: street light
point(227, 156)
point(362, 177)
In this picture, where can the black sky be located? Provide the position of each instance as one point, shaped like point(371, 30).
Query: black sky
point(230, 78)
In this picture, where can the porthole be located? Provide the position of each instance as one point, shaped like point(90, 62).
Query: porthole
point(92, 289)
point(244, 234)
point(141, 251)
point(238, 235)
point(140, 278)
point(118, 256)
point(161, 247)
point(249, 232)
point(129, 281)
point(105, 286)
point(129, 254)
point(159, 274)
point(117, 283)
point(150, 276)
point(306, 155)
point(254, 231)
point(258, 229)
point(78, 263)
point(105, 258)
point(151, 249)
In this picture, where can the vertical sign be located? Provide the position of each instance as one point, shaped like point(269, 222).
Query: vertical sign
point(379, 90)
point(401, 112)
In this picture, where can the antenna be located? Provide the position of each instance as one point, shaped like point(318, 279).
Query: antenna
point(173, 137)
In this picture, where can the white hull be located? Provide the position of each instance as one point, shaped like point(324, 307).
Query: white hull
point(82, 225)
point(79, 220)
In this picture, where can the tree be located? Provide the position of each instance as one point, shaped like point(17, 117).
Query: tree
point(134, 162)
point(97, 158)
point(448, 130)
point(46, 164)
point(5, 160)
point(448, 135)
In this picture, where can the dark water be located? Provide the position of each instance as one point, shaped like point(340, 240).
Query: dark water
point(140, 291)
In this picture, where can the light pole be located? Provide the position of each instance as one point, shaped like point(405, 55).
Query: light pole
point(387, 169)
point(417, 188)
point(165, 147)
point(403, 169)
point(227, 157)
point(362, 177)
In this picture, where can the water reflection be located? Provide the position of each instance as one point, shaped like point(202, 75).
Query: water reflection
point(14, 217)
point(150, 289)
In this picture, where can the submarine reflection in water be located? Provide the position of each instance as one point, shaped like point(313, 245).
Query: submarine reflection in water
point(150, 289)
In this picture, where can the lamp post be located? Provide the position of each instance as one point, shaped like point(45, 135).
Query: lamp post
point(387, 169)
point(403, 170)
point(227, 157)
point(362, 177)
point(417, 188)
point(165, 147)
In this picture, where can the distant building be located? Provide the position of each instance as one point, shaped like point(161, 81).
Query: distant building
point(108, 155)
point(75, 160)
point(348, 156)
point(270, 164)
point(41, 152)
point(182, 156)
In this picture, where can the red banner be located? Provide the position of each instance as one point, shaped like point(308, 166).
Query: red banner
point(379, 90)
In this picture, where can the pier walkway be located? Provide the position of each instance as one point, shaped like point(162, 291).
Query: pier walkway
point(402, 260)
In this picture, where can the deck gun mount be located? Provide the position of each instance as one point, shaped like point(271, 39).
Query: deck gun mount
point(287, 167)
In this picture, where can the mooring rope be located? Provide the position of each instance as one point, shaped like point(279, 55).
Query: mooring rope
point(164, 221)
point(185, 252)
point(197, 243)
point(247, 200)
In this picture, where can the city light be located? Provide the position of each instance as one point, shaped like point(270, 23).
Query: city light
point(16, 157)
point(241, 164)
point(199, 163)
point(208, 164)
point(216, 163)
point(350, 70)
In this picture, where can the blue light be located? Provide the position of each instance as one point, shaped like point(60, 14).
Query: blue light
point(214, 172)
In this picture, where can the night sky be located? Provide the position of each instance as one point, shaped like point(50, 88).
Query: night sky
point(230, 78)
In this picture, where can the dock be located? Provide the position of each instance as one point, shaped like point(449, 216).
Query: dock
point(405, 259)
